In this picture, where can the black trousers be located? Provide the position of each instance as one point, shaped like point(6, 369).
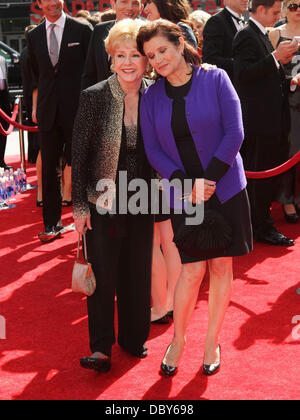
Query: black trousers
point(122, 267)
point(261, 153)
point(4, 105)
point(55, 146)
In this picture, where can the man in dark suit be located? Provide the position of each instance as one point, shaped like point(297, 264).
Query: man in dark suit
point(263, 91)
point(97, 67)
point(5, 106)
point(57, 50)
point(219, 33)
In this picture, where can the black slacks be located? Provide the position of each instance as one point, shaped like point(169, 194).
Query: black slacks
point(4, 105)
point(261, 153)
point(54, 146)
point(122, 267)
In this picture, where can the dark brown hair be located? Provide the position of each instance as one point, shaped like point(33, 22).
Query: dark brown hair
point(172, 33)
point(173, 10)
point(176, 11)
point(254, 4)
point(108, 15)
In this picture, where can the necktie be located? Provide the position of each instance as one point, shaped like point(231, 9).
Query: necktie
point(269, 44)
point(2, 84)
point(240, 20)
point(53, 46)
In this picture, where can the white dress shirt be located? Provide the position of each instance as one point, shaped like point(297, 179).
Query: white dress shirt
point(238, 25)
point(2, 75)
point(59, 30)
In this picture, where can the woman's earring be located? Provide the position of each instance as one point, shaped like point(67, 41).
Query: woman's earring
point(112, 67)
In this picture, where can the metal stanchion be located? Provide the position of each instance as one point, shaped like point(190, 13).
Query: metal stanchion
point(21, 135)
point(21, 141)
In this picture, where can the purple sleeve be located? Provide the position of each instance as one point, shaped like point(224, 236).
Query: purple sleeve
point(158, 159)
point(231, 114)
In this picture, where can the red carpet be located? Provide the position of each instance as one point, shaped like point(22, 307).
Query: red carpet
point(47, 326)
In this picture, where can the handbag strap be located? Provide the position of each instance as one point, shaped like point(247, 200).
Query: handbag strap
point(84, 248)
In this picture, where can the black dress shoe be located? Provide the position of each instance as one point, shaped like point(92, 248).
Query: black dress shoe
point(170, 314)
point(274, 238)
point(290, 218)
point(96, 363)
point(167, 369)
point(50, 234)
point(66, 203)
point(210, 370)
point(163, 320)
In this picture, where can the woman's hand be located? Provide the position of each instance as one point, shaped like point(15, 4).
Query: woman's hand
point(82, 224)
point(206, 66)
point(296, 80)
point(202, 191)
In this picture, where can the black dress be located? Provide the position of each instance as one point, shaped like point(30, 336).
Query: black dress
point(236, 211)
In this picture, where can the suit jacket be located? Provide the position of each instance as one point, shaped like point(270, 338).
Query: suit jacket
point(263, 89)
point(26, 81)
point(97, 67)
point(218, 36)
point(59, 86)
point(215, 121)
point(97, 142)
point(4, 95)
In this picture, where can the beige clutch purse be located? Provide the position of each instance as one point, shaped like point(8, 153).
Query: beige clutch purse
point(83, 278)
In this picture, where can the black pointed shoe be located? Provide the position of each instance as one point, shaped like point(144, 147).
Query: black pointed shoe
point(50, 234)
point(170, 314)
point(167, 369)
point(163, 320)
point(210, 370)
point(95, 363)
point(291, 217)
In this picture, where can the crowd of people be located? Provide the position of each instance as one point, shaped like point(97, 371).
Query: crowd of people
point(115, 93)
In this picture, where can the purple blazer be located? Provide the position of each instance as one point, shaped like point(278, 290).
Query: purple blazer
point(215, 119)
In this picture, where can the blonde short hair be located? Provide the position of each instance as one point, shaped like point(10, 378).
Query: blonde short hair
point(200, 17)
point(125, 30)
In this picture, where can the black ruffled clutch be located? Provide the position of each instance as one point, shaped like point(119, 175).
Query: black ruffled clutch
point(210, 238)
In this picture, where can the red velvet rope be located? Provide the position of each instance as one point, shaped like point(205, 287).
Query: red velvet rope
point(13, 123)
point(14, 117)
point(251, 175)
point(276, 171)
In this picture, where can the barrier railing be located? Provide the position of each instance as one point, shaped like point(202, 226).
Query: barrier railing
point(17, 111)
point(15, 182)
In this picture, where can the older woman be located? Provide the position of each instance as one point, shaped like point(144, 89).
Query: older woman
point(200, 18)
point(176, 11)
point(107, 145)
point(289, 194)
point(192, 129)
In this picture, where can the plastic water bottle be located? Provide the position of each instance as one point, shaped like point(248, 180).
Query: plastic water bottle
point(24, 177)
point(23, 180)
